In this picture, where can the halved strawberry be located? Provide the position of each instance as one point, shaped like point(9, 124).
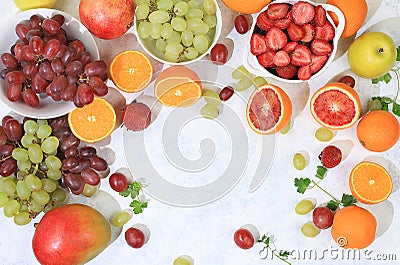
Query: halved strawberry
point(275, 39)
point(277, 11)
point(266, 59)
point(320, 15)
point(325, 32)
point(263, 22)
point(309, 33)
point(257, 44)
point(282, 23)
point(281, 58)
point(303, 12)
point(296, 32)
point(288, 72)
point(301, 55)
point(304, 72)
point(317, 62)
point(321, 47)
point(289, 47)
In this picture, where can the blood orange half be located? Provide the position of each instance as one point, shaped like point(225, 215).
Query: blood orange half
point(336, 106)
point(269, 109)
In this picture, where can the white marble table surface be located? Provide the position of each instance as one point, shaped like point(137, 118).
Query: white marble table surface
point(206, 232)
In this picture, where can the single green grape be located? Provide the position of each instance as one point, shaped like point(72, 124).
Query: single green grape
point(35, 153)
point(144, 29)
point(53, 162)
point(191, 53)
point(44, 131)
point(175, 38)
point(121, 218)
point(193, 4)
point(299, 161)
point(9, 186)
point(42, 122)
point(202, 30)
point(30, 126)
point(181, 261)
point(159, 16)
point(22, 190)
point(181, 8)
point(50, 145)
point(174, 48)
point(259, 81)
point(147, 2)
point(3, 199)
point(35, 206)
point(187, 38)
point(161, 44)
point(209, 111)
point(48, 185)
point(210, 20)
point(172, 57)
point(193, 24)
point(310, 230)
point(58, 196)
point(374, 104)
point(209, 7)
point(90, 190)
point(178, 24)
point(166, 31)
point(142, 11)
point(11, 208)
point(243, 84)
point(33, 182)
point(164, 4)
point(304, 206)
point(240, 73)
point(24, 165)
point(211, 97)
point(286, 129)
point(54, 174)
point(28, 139)
point(194, 13)
point(22, 218)
point(155, 30)
point(201, 43)
point(40, 196)
point(20, 154)
point(323, 134)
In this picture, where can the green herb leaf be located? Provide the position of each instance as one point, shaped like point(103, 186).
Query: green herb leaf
point(133, 191)
point(333, 205)
point(398, 54)
point(302, 184)
point(348, 200)
point(396, 109)
point(321, 171)
point(385, 78)
point(386, 100)
point(125, 193)
point(284, 253)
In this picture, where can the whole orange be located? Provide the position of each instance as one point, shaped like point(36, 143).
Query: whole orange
point(353, 227)
point(378, 130)
point(355, 13)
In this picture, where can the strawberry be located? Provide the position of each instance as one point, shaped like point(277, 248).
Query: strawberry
point(257, 44)
point(301, 55)
point(309, 33)
point(296, 32)
point(317, 62)
point(320, 15)
point(277, 11)
point(282, 23)
point(281, 58)
point(275, 39)
point(321, 47)
point(263, 22)
point(325, 32)
point(331, 156)
point(266, 59)
point(287, 72)
point(289, 47)
point(304, 72)
point(303, 12)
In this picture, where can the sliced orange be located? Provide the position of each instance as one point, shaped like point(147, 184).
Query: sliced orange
point(370, 183)
point(93, 122)
point(131, 71)
point(336, 106)
point(178, 86)
point(269, 109)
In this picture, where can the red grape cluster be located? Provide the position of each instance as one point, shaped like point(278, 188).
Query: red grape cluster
point(45, 61)
point(81, 166)
point(11, 131)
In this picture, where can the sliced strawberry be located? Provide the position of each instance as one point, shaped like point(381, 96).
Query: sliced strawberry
point(317, 62)
point(281, 58)
point(257, 44)
point(288, 72)
point(320, 15)
point(266, 59)
point(304, 72)
point(289, 47)
point(321, 47)
point(277, 11)
point(282, 23)
point(303, 12)
point(301, 55)
point(309, 33)
point(325, 32)
point(276, 39)
point(296, 32)
point(263, 22)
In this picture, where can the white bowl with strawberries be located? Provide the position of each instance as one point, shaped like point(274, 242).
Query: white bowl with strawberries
point(293, 41)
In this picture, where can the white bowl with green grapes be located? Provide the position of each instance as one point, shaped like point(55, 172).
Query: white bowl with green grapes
point(177, 31)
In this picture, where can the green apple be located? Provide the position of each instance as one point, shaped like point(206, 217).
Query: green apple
point(29, 4)
point(372, 54)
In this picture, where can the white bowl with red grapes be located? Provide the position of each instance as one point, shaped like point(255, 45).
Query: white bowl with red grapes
point(49, 64)
point(293, 41)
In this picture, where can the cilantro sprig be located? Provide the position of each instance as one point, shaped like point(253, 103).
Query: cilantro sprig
point(383, 103)
point(269, 244)
point(134, 190)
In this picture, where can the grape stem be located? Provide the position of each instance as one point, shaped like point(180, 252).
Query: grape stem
point(5, 158)
point(316, 184)
point(36, 169)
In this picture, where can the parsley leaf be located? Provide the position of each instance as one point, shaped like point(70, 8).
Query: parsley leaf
point(348, 200)
point(302, 184)
point(321, 171)
point(396, 109)
point(398, 54)
point(133, 191)
point(269, 244)
point(385, 78)
point(333, 205)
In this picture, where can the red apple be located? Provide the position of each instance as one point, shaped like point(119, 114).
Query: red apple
point(107, 19)
point(70, 234)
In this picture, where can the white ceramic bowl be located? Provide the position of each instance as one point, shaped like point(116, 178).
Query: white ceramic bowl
point(152, 50)
point(48, 108)
point(251, 63)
